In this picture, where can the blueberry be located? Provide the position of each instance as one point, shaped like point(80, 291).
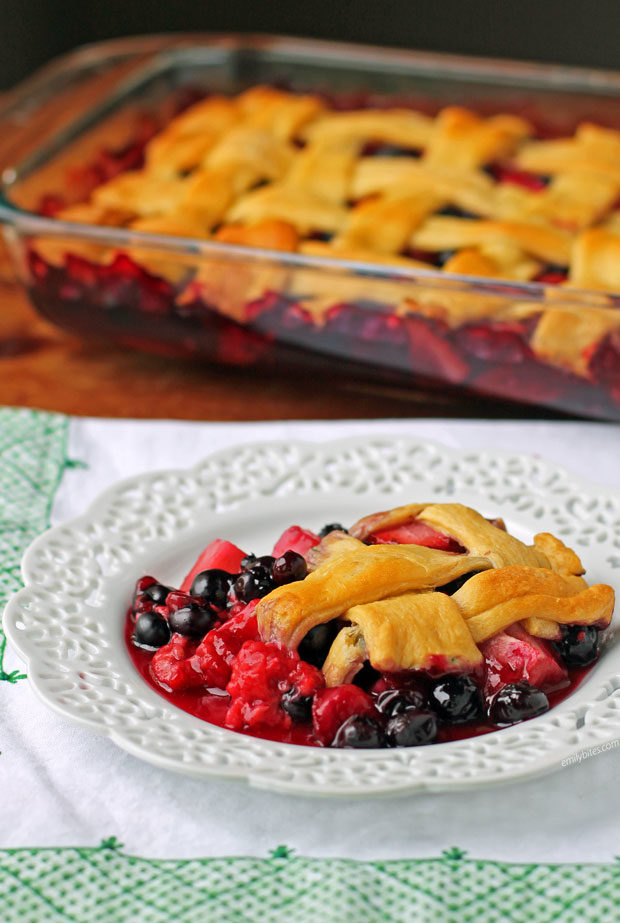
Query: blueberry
point(579, 645)
point(157, 592)
point(366, 677)
point(331, 527)
point(261, 567)
point(393, 150)
point(193, 621)
point(316, 644)
point(252, 585)
point(151, 631)
point(457, 583)
point(411, 729)
point(289, 567)
point(517, 702)
point(213, 585)
point(392, 702)
point(456, 699)
point(299, 707)
point(359, 732)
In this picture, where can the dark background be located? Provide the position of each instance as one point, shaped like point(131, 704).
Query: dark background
point(564, 31)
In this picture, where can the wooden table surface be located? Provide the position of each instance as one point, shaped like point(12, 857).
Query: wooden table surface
point(44, 367)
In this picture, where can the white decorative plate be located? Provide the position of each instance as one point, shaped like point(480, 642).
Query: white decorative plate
point(67, 622)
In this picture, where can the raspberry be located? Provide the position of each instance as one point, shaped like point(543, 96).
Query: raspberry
point(218, 649)
point(495, 342)
point(262, 672)
point(172, 665)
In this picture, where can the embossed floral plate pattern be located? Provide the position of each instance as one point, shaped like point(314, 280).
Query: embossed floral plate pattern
point(67, 622)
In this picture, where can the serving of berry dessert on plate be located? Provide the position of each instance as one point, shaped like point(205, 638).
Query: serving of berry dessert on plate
point(425, 623)
point(431, 646)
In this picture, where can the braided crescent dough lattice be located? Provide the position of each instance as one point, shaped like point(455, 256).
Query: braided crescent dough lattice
point(386, 594)
point(276, 170)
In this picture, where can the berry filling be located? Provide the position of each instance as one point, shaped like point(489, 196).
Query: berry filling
point(201, 648)
point(488, 357)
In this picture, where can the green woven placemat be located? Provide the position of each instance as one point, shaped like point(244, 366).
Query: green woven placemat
point(33, 447)
point(105, 884)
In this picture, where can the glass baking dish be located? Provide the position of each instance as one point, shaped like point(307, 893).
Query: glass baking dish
point(87, 116)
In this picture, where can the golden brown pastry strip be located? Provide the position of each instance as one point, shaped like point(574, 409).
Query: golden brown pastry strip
point(354, 578)
point(542, 628)
point(463, 139)
point(416, 631)
point(446, 233)
point(346, 656)
point(334, 544)
point(592, 606)
point(493, 587)
point(479, 536)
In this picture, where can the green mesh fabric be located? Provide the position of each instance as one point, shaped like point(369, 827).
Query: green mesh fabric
point(32, 460)
point(105, 884)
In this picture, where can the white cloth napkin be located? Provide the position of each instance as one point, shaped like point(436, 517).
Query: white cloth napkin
point(62, 785)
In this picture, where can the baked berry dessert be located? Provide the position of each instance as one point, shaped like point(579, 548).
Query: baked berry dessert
point(417, 625)
point(483, 197)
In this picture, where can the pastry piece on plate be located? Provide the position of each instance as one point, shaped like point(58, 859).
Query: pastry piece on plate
point(353, 578)
point(389, 582)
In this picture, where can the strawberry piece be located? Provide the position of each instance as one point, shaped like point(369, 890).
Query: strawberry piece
point(217, 650)
point(295, 539)
point(332, 707)
point(261, 672)
point(508, 174)
point(221, 554)
point(417, 533)
point(514, 656)
point(552, 277)
point(50, 205)
point(172, 665)
point(605, 362)
point(528, 381)
point(432, 354)
point(239, 346)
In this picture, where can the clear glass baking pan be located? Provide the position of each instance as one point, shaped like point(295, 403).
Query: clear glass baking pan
point(87, 116)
